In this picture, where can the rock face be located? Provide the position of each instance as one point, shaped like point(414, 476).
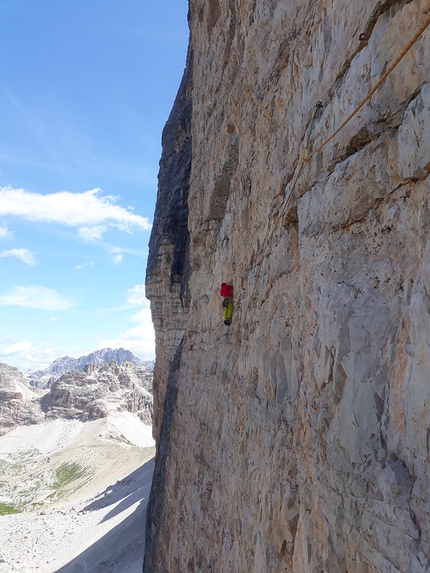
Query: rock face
point(99, 389)
point(168, 260)
point(296, 439)
point(89, 394)
point(18, 404)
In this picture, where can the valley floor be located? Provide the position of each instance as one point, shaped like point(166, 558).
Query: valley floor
point(104, 533)
point(81, 490)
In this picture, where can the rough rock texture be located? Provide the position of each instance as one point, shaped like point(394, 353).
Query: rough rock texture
point(98, 390)
point(18, 403)
point(296, 439)
point(168, 260)
point(88, 394)
point(44, 378)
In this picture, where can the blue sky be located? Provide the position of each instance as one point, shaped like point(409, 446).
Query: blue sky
point(86, 87)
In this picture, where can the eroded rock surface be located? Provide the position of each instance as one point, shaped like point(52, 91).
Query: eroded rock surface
point(89, 394)
point(18, 403)
point(44, 378)
point(100, 389)
point(168, 260)
point(296, 439)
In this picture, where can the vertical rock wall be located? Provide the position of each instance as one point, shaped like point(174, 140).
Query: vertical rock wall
point(297, 439)
point(168, 266)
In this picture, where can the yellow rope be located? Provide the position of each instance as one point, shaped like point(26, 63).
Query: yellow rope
point(381, 80)
point(305, 158)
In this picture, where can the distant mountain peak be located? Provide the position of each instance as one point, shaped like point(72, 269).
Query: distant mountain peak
point(95, 391)
point(64, 364)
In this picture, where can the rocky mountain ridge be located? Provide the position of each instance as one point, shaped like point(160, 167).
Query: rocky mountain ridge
point(42, 378)
point(96, 390)
point(88, 394)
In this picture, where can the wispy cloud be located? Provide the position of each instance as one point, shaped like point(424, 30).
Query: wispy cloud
point(117, 255)
point(23, 255)
point(90, 212)
point(140, 339)
point(3, 232)
point(38, 297)
point(16, 348)
point(25, 354)
point(136, 296)
point(84, 265)
point(92, 233)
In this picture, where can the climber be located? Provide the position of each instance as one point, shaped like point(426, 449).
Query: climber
point(226, 292)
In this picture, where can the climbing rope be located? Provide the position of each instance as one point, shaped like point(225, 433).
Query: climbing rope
point(305, 158)
point(381, 80)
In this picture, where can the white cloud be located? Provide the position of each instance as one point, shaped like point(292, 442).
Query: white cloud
point(92, 233)
point(23, 255)
point(25, 355)
point(118, 256)
point(136, 296)
point(84, 265)
point(38, 297)
point(89, 211)
point(3, 232)
point(140, 340)
point(23, 346)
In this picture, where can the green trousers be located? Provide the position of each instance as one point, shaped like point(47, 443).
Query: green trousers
point(227, 304)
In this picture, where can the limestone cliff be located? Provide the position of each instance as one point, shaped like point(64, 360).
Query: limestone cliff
point(99, 390)
point(168, 260)
point(296, 439)
point(18, 403)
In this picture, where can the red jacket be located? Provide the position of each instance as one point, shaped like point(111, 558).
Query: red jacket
point(226, 290)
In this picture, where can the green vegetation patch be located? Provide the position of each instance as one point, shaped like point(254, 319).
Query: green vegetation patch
point(69, 477)
point(7, 509)
point(67, 473)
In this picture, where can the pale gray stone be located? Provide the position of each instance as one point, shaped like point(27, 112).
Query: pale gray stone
point(297, 439)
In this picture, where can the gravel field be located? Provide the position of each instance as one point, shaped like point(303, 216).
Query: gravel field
point(90, 520)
